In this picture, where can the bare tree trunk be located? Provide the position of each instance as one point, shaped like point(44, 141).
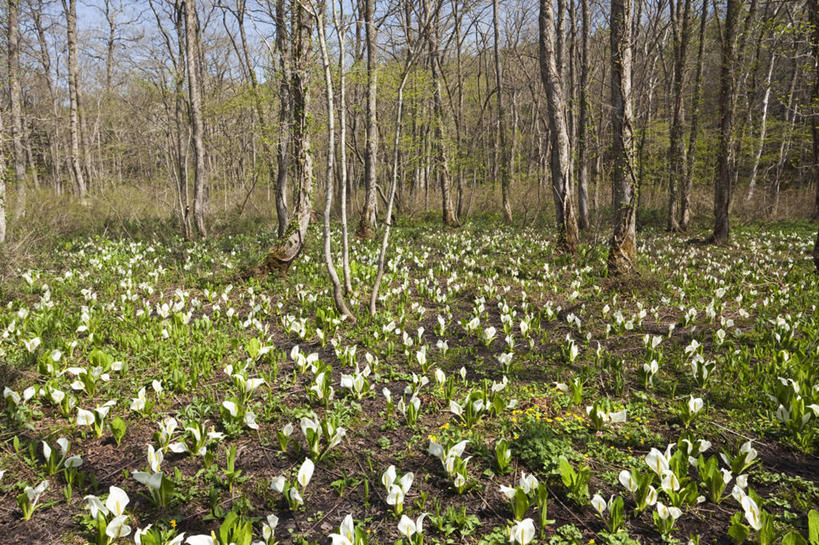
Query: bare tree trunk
point(685, 200)
point(442, 170)
point(740, 83)
point(32, 166)
point(459, 114)
point(571, 88)
point(338, 295)
point(763, 126)
point(556, 103)
point(680, 12)
point(645, 129)
point(200, 184)
point(368, 217)
point(560, 44)
point(289, 245)
point(16, 92)
point(45, 60)
point(342, 121)
point(583, 130)
point(413, 50)
point(513, 145)
point(74, 95)
point(2, 188)
point(500, 130)
point(814, 17)
point(285, 118)
point(785, 145)
point(622, 246)
point(254, 89)
point(179, 122)
point(388, 218)
point(725, 159)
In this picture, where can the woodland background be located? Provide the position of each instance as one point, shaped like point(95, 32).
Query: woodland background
point(190, 113)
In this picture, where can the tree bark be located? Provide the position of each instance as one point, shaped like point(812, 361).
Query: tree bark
point(74, 95)
point(556, 106)
point(622, 245)
point(261, 115)
point(289, 246)
point(814, 17)
point(501, 150)
point(785, 145)
point(388, 221)
point(368, 219)
point(2, 188)
point(459, 114)
point(338, 295)
point(676, 151)
point(179, 121)
point(45, 61)
point(763, 127)
point(338, 22)
point(582, 129)
point(285, 118)
point(688, 180)
point(725, 153)
point(412, 52)
point(442, 170)
point(16, 92)
point(200, 184)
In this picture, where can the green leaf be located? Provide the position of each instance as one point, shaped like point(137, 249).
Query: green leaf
point(616, 514)
point(813, 527)
point(98, 358)
point(567, 473)
point(738, 531)
point(253, 347)
point(520, 504)
point(118, 428)
point(793, 538)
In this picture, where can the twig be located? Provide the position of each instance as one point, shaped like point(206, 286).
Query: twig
point(563, 505)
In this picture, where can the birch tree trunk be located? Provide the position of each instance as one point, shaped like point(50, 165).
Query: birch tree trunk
point(583, 122)
point(412, 52)
point(685, 200)
point(501, 151)
point(442, 170)
point(200, 184)
point(74, 95)
point(338, 22)
point(45, 61)
point(556, 106)
point(181, 126)
point(16, 92)
point(676, 151)
point(261, 114)
point(814, 18)
point(368, 220)
point(622, 245)
point(785, 145)
point(763, 127)
point(459, 114)
point(725, 158)
point(338, 295)
point(2, 187)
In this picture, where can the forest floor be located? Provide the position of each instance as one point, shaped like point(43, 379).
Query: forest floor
point(682, 390)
